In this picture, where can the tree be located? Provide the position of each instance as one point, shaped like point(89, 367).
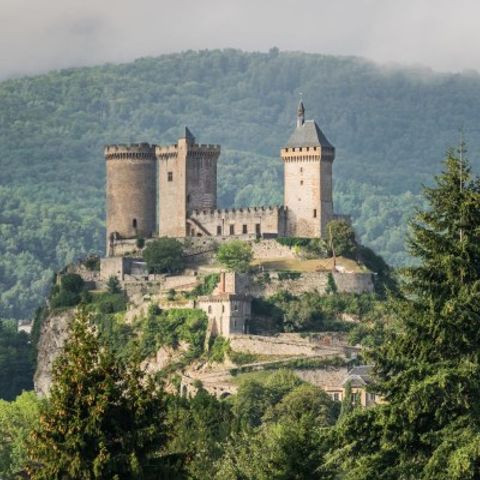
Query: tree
point(235, 255)
point(17, 418)
point(17, 361)
point(342, 238)
point(429, 369)
point(113, 285)
point(164, 255)
point(104, 419)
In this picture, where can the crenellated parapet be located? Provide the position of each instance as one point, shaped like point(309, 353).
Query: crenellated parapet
point(132, 151)
point(165, 152)
point(306, 154)
point(258, 221)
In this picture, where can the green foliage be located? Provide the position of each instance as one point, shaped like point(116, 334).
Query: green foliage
point(235, 255)
point(219, 349)
point(342, 238)
point(103, 419)
point(92, 263)
point(113, 285)
point(428, 368)
point(17, 418)
point(242, 358)
point(209, 282)
point(68, 293)
point(17, 361)
point(170, 327)
point(331, 285)
point(289, 275)
point(106, 302)
point(164, 255)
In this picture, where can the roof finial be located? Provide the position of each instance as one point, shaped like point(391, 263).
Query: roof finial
point(300, 112)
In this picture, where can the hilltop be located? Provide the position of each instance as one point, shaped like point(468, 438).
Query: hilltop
point(390, 126)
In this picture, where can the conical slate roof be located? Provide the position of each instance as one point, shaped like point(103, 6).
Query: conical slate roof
point(188, 135)
point(308, 134)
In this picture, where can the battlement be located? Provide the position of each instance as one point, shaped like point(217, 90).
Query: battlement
point(134, 150)
point(236, 212)
point(203, 149)
point(308, 153)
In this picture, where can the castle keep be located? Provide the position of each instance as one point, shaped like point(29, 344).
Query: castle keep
point(171, 191)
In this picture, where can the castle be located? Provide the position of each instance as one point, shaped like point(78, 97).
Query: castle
point(157, 191)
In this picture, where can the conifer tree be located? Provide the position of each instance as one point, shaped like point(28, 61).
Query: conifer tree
point(429, 369)
point(103, 420)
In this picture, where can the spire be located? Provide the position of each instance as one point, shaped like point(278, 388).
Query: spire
point(188, 135)
point(300, 112)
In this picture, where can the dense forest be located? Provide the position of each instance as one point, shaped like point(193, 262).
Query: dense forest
point(390, 126)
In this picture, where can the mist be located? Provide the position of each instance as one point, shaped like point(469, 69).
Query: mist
point(41, 35)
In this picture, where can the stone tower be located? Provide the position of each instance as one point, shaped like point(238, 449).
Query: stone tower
point(308, 158)
point(187, 181)
point(131, 191)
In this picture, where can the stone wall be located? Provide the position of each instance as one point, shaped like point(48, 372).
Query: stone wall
point(270, 248)
point(244, 222)
point(285, 344)
point(130, 190)
point(360, 282)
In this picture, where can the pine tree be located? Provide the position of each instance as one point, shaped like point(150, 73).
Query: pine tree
point(103, 420)
point(429, 369)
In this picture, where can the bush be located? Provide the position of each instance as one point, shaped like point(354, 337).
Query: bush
point(206, 287)
point(92, 263)
point(164, 255)
point(219, 347)
point(113, 285)
point(140, 242)
point(110, 302)
point(72, 282)
point(235, 255)
point(289, 275)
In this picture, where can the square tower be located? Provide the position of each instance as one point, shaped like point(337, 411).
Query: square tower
point(308, 158)
point(187, 181)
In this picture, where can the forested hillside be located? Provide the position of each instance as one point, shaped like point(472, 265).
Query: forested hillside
point(391, 128)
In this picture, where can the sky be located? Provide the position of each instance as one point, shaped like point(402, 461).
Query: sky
point(40, 35)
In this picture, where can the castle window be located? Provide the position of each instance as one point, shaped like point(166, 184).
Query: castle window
point(301, 182)
point(257, 229)
point(188, 197)
point(209, 309)
point(301, 169)
point(170, 176)
point(244, 229)
point(219, 229)
point(232, 229)
point(315, 213)
point(134, 223)
point(223, 308)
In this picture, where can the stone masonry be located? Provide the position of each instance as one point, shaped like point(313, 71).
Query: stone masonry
point(171, 191)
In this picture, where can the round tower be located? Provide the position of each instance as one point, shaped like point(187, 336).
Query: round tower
point(131, 191)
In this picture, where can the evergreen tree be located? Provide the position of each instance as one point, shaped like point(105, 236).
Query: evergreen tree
point(429, 369)
point(103, 420)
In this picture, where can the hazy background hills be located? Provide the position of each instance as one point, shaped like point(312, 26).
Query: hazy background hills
point(391, 128)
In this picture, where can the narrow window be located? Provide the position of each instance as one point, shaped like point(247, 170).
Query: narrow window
point(301, 182)
point(170, 176)
point(219, 229)
point(134, 223)
point(188, 196)
point(301, 169)
point(257, 229)
point(244, 229)
point(223, 308)
point(209, 309)
point(232, 229)
point(315, 213)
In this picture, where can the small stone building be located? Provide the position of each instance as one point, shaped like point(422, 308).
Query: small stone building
point(228, 310)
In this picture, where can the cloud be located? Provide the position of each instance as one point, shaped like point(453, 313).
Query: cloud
point(39, 35)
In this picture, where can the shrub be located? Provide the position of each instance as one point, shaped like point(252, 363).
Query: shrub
point(219, 347)
point(207, 286)
point(235, 255)
point(113, 285)
point(289, 275)
point(140, 242)
point(72, 282)
point(164, 255)
point(92, 263)
point(110, 302)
